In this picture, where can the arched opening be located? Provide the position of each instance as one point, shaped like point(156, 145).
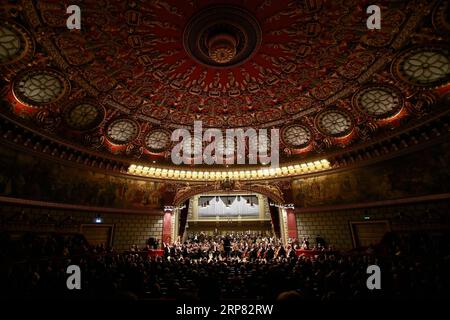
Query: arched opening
point(221, 213)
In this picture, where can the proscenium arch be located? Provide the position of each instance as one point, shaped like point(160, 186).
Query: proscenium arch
point(269, 191)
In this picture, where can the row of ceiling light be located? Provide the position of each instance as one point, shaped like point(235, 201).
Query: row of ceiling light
point(195, 175)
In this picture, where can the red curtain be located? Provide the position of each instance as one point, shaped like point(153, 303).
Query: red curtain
point(167, 227)
point(291, 224)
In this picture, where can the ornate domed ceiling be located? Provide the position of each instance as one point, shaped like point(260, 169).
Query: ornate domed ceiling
point(139, 69)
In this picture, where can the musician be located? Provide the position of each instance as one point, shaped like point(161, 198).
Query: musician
point(281, 252)
point(261, 252)
point(236, 253)
point(305, 243)
point(270, 253)
point(214, 250)
point(172, 252)
point(184, 251)
point(253, 254)
point(291, 253)
point(227, 246)
point(166, 250)
point(320, 242)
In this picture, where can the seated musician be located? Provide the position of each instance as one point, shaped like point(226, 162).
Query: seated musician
point(270, 253)
point(261, 252)
point(291, 252)
point(281, 252)
point(253, 254)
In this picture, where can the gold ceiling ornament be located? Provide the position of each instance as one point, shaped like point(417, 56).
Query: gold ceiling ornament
point(222, 48)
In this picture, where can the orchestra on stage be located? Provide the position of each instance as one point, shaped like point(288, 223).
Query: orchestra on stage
point(242, 246)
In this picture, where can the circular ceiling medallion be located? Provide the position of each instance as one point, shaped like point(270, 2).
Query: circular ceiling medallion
point(222, 36)
point(39, 87)
point(378, 101)
point(15, 42)
point(296, 136)
point(122, 131)
point(83, 116)
point(334, 123)
point(424, 66)
point(157, 140)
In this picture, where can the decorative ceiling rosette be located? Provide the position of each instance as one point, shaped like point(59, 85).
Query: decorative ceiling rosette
point(40, 87)
point(298, 105)
point(182, 118)
point(378, 101)
point(122, 131)
point(240, 121)
point(211, 122)
point(356, 64)
point(157, 140)
point(296, 136)
point(269, 115)
point(423, 66)
point(191, 103)
point(15, 43)
point(126, 98)
point(327, 88)
point(153, 111)
point(222, 36)
point(84, 115)
point(334, 122)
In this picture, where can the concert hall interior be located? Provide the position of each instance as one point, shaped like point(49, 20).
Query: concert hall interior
point(206, 150)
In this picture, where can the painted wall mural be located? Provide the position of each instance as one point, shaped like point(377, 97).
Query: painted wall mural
point(422, 173)
point(23, 176)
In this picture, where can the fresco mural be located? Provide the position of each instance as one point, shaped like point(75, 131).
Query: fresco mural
point(418, 174)
point(23, 176)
